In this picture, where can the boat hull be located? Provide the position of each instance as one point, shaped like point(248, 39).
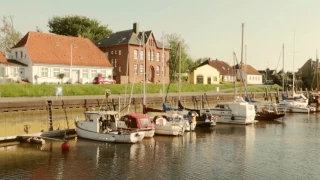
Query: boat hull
point(116, 137)
point(269, 116)
point(169, 130)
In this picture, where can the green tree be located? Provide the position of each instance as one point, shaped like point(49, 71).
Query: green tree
point(76, 26)
point(9, 36)
point(175, 41)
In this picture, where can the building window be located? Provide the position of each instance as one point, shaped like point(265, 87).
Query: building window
point(209, 80)
point(115, 63)
point(215, 78)
point(16, 55)
point(21, 54)
point(158, 71)
point(115, 51)
point(158, 57)
point(135, 54)
point(119, 68)
point(94, 73)
point(85, 73)
point(119, 52)
point(56, 72)
point(149, 55)
point(141, 69)
point(13, 71)
point(106, 54)
point(67, 72)
point(135, 68)
point(199, 79)
point(112, 62)
point(111, 52)
point(103, 73)
point(141, 54)
point(44, 72)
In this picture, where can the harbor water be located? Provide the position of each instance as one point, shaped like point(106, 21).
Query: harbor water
point(285, 149)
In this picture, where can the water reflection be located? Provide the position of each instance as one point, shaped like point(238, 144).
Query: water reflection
point(286, 149)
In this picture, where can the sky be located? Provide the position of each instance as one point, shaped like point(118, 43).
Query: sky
point(211, 28)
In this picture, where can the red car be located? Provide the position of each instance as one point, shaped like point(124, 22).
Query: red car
point(102, 80)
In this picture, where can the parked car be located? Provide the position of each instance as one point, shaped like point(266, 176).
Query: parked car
point(103, 80)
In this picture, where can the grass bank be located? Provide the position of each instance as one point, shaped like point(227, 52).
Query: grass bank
point(38, 90)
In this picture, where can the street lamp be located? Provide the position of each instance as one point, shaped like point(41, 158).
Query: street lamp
point(71, 56)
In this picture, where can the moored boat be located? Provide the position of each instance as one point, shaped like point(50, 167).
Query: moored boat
point(91, 128)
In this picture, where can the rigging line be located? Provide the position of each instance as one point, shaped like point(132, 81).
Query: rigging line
point(279, 59)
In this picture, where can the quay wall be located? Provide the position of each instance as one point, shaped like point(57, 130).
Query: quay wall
point(26, 116)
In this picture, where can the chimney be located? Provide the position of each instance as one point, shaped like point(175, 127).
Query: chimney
point(136, 28)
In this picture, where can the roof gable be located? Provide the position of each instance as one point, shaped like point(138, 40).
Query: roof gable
point(3, 57)
point(44, 48)
point(127, 37)
point(249, 69)
point(223, 67)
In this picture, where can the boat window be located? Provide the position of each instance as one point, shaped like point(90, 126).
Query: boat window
point(112, 118)
point(144, 122)
point(89, 117)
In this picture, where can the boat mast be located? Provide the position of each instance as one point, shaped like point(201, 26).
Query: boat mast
point(294, 40)
point(144, 69)
point(317, 64)
point(283, 68)
point(163, 89)
point(179, 71)
point(241, 62)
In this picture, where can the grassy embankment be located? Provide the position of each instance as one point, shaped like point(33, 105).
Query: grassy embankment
point(38, 90)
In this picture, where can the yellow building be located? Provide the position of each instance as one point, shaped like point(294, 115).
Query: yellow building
point(205, 74)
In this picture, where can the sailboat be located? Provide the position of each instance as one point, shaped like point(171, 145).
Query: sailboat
point(267, 110)
point(237, 111)
point(187, 120)
point(298, 103)
point(164, 123)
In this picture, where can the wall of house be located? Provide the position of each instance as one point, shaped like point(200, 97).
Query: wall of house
point(117, 56)
point(254, 79)
point(136, 65)
point(206, 72)
point(12, 73)
point(84, 75)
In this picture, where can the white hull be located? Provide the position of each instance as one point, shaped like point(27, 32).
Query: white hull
point(124, 137)
point(169, 130)
point(148, 133)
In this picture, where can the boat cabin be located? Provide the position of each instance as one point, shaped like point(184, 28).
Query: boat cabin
point(135, 120)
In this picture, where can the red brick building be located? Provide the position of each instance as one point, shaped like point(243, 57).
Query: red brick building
point(127, 49)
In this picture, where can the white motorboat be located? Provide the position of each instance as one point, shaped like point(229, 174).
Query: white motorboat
point(91, 128)
point(237, 112)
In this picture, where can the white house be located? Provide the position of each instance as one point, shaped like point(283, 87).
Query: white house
point(249, 74)
point(48, 55)
point(11, 70)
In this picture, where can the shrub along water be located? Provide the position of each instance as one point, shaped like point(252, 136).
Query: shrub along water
point(38, 90)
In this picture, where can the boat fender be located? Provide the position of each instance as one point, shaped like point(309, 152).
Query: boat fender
point(232, 117)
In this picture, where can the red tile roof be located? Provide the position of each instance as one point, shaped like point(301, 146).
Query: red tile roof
point(44, 48)
point(221, 66)
point(250, 69)
point(3, 57)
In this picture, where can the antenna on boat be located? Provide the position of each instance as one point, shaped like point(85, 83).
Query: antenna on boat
point(283, 68)
point(317, 62)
